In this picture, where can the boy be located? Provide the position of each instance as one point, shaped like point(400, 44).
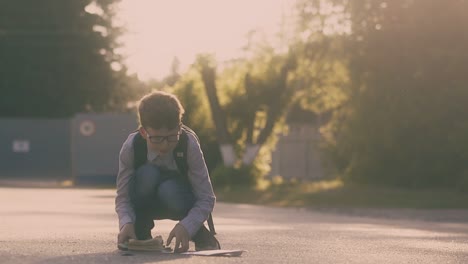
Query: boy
point(157, 189)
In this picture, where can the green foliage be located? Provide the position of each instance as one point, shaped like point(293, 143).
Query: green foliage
point(258, 90)
point(248, 99)
point(223, 176)
point(189, 90)
point(321, 35)
point(58, 59)
point(403, 123)
point(336, 194)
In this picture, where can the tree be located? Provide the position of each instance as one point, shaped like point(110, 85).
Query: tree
point(403, 121)
point(259, 94)
point(251, 96)
point(208, 73)
point(321, 32)
point(189, 89)
point(58, 58)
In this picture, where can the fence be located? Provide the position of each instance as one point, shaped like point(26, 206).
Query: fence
point(86, 148)
point(297, 154)
point(35, 147)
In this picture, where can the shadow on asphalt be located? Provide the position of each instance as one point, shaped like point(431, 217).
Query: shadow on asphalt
point(427, 215)
point(103, 196)
point(115, 257)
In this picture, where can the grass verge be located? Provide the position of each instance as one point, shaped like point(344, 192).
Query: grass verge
point(335, 193)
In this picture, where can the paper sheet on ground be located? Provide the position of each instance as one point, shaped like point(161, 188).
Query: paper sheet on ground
point(217, 252)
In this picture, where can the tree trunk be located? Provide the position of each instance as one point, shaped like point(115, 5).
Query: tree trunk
point(228, 154)
point(219, 117)
point(251, 152)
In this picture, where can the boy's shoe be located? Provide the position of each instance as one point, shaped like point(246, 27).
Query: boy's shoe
point(205, 240)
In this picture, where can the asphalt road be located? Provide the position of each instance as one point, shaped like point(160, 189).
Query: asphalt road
point(39, 225)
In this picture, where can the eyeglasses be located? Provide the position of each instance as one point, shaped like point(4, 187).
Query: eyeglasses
point(160, 139)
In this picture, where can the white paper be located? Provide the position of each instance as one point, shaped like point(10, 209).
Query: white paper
point(20, 146)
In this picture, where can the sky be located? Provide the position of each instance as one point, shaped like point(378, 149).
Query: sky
point(159, 30)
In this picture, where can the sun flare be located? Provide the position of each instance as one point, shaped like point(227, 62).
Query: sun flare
point(157, 30)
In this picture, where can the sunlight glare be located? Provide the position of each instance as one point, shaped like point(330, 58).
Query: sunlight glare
point(159, 30)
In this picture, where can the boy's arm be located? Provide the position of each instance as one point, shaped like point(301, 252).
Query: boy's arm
point(123, 205)
point(202, 188)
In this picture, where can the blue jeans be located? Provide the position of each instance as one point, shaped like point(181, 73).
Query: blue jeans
point(158, 194)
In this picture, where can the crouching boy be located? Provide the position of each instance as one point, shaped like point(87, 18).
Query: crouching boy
point(163, 175)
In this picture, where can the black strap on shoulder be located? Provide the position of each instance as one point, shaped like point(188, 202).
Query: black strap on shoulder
point(180, 156)
point(180, 153)
point(140, 151)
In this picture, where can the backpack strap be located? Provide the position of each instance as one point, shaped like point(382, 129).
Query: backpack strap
point(180, 154)
point(140, 151)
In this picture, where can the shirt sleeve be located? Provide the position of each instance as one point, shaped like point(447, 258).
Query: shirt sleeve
point(203, 190)
point(123, 206)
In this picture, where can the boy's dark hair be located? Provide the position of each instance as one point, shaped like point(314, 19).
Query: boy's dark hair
point(160, 110)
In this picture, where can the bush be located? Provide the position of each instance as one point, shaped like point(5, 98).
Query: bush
point(228, 176)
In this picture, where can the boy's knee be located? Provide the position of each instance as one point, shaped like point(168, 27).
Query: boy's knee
point(178, 211)
point(177, 198)
point(146, 180)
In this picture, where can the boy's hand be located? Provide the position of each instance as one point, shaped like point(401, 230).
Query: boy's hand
point(182, 238)
point(127, 232)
